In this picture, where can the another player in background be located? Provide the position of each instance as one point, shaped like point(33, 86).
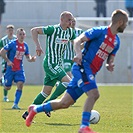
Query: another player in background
point(58, 37)
point(69, 52)
point(102, 43)
point(5, 40)
point(13, 53)
point(68, 60)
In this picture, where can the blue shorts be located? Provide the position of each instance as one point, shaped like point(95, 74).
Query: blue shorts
point(83, 81)
point(15, 76)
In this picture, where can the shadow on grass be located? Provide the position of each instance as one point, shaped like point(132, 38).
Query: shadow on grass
point(60, 124)
point(7, 102)
point(15, 109)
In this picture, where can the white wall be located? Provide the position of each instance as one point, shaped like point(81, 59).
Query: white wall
point(31, 13)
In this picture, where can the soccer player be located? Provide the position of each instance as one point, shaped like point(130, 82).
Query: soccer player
point(5, 40)
point(69, 52)
point(68, 60)
point(58, 37)
point(13, 53)
point(102, 43)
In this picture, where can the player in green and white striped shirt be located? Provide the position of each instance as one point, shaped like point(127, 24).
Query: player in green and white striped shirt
point(5, 40)
point(68, 60)
point(57, 39)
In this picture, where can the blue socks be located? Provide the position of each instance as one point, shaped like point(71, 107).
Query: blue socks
point(46, 107)
point(85, 119)
point(17, 96)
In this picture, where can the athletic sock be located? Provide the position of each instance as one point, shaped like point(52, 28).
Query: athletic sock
point(17, 96)
point(40, 98)
point(85, 119)
point(5, 92)
point(58, 91)
point(46, 107)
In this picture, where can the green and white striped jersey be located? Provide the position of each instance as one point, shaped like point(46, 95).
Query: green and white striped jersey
point(69, 52)
point(5, 40)
point(56, 42)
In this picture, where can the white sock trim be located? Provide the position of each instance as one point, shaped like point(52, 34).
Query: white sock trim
point(44, 94)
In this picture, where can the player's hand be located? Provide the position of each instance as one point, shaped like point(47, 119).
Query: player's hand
point(33, 58)
point(9, 63)
point(78, 58)
point(110, 66)
point(39, 51)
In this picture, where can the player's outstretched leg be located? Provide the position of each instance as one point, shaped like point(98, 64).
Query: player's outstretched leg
point(25, 114)
point(30, 116)
point(85, 130)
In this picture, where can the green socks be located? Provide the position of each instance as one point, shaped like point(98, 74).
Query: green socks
point(58, 91)
point(40, 98)
point(5, 92)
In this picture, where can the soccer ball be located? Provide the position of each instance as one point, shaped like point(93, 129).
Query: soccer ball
point(95, 117)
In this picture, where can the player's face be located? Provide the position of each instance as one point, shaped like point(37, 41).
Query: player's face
point(122, 27)
point(21, 35)
point(67, 20)
point(10, 32)
point(73, 23)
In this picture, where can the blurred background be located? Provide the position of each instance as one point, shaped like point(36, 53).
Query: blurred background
point(89, 13)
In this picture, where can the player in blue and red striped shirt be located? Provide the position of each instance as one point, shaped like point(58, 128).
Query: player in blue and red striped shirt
point(102, 43)
point(13, 53)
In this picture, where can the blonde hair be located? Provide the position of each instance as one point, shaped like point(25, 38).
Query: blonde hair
point(10, 26)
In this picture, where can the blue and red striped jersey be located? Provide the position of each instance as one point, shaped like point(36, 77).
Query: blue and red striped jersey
point(101, 43)
point(15, 53)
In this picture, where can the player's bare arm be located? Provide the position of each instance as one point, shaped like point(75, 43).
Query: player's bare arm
point(4, 56)
point(35, 32)
point(31, 58)
point(110, 63)
point(81, 45)
point(77, 47)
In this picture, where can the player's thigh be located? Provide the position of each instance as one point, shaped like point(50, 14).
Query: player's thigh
point(48, 81)
point(8, 78)
point(54, 73)
point(19, 76)
point(67, 100)
point(74, 91)
point(89, 82)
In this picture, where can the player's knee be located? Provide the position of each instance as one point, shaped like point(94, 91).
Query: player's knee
point(65, 104)
point(7, 88)
point(96, 95)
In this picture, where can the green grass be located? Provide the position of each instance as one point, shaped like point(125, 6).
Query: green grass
point(114, 106)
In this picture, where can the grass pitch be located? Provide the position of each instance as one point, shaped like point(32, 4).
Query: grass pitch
point(114, 105)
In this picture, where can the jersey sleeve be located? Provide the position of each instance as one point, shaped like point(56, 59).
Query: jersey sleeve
point(93, 33)
point(48, 30)
point(9, 46)
point(117, 46)
point(27, 49)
